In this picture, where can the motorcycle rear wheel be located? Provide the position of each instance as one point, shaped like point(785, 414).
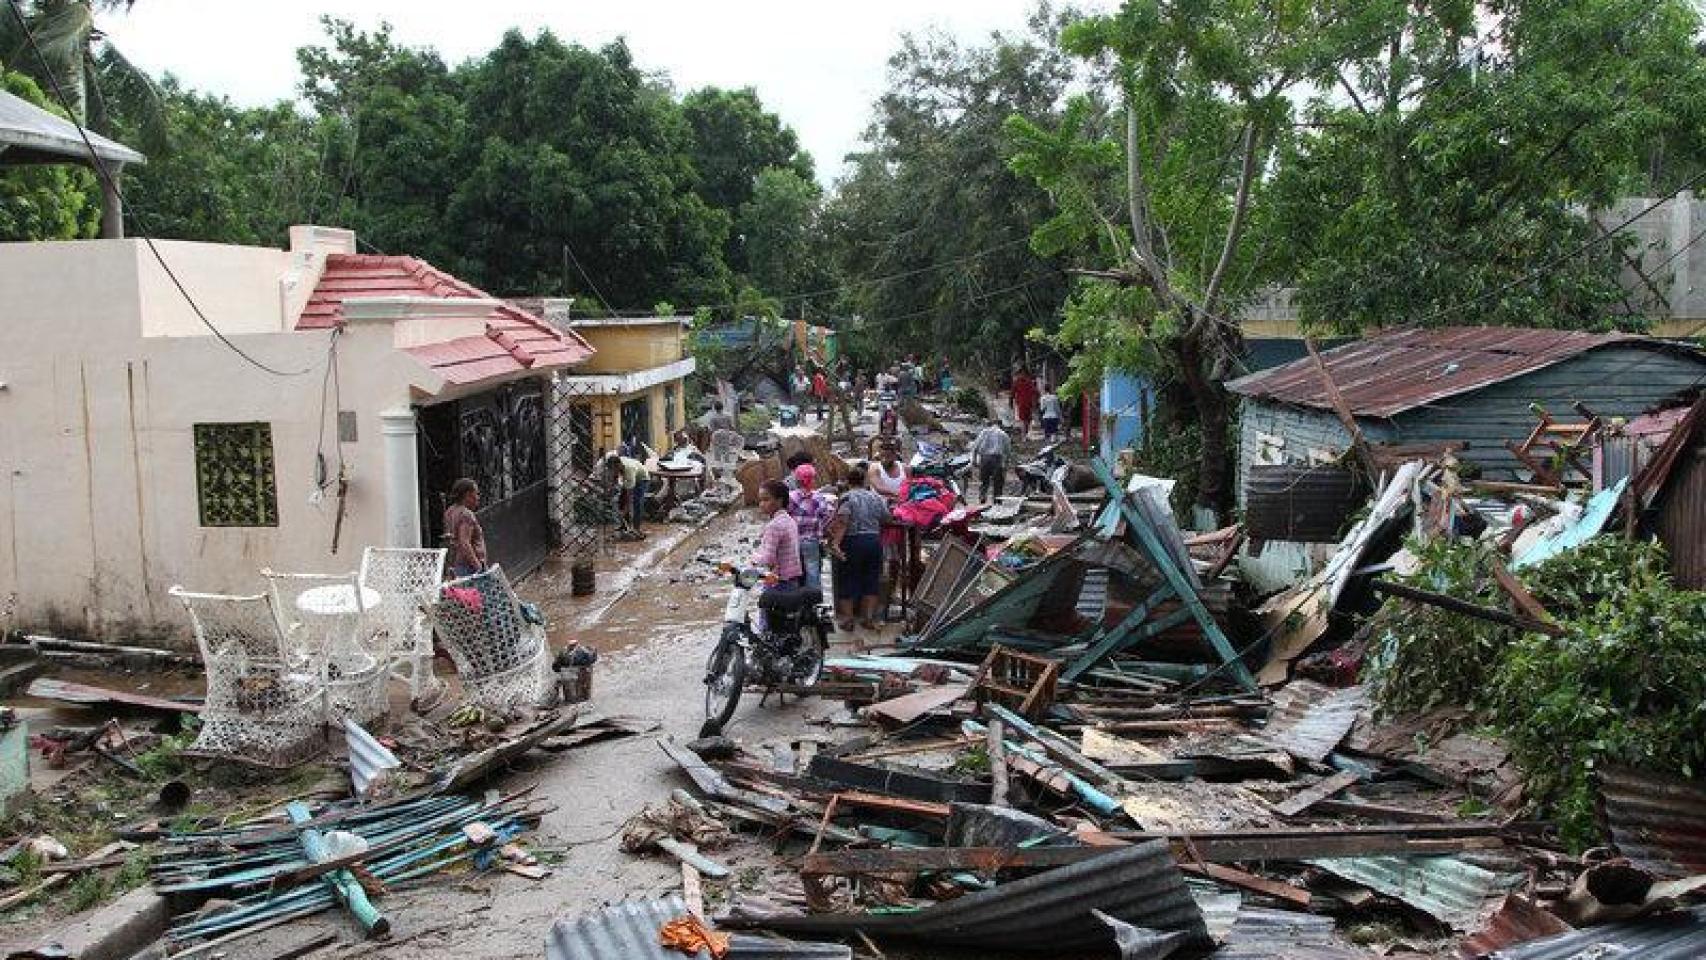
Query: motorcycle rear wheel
point(725, 677)
point(817, 641)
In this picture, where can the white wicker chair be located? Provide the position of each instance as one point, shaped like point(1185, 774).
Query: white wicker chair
point(348, 639)
point(407, 578)
point(266, 702)
point(503, 660)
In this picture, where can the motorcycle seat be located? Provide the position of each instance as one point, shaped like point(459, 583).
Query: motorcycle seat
point(790, 599)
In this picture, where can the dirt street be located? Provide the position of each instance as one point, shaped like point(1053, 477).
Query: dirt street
point(654, 627)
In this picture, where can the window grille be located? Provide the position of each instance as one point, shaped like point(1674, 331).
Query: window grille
point(236, 484)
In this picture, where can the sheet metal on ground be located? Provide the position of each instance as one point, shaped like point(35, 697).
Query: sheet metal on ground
point(1309, 720)
point(629, 931)
point(1448, 889)
point(1657, 822)
point(1673, 936)
point(1260, 934)
point(1049, 911)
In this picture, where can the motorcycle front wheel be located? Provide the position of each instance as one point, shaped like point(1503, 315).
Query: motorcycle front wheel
point(725, 676)
point(807, 672)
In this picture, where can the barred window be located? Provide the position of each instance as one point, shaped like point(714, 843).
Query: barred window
point(234, 475)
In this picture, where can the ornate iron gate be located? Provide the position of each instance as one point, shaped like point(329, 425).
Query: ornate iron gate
point(496, 438)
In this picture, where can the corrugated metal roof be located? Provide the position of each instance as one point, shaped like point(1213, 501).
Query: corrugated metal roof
point(29, 134)
point(1673, 936)
point(1302, 503)
point(1517, 920)
point(1658, 822)
point(514, 341)
point(1389, 373)
point(629, 931)
point(1140, 884)
point(1308, 720)
point(369, 760)
point(1261, 934)
point(1448, 889)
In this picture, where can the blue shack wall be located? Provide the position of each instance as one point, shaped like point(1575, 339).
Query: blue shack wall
point(1126, 400)
point(1616, 381)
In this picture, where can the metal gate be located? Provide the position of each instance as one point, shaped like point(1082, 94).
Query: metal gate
point(497, 439)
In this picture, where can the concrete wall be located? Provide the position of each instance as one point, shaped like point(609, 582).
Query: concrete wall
point(1670, 286)
point(99, 512)
point(630, 347)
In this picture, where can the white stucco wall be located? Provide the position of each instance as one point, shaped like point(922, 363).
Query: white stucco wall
point(98, 503)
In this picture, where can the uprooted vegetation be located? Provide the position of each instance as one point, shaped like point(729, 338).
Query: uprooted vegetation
point(1623, 684)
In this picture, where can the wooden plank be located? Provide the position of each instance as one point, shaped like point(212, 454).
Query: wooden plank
point(1249, 881)
point(1101, 745)
point(1120, 636)
point(998, 778)
point(857, 798)
point(1518, 593)
point(692, 891)
point(85, 695)
point(906, 709)
point(1465, 608)
point(1309, 796)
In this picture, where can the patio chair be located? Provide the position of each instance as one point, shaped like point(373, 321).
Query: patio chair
point(406, 578)
point(266, 702)
point(330, 616)
point(503, 659)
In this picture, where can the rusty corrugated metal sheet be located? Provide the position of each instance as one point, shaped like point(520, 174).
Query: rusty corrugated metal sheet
point(1449, 889)
point(629, 931)
point(1301, 503)
point(1673, 936)
point(1389, 373)
point(1308, 720)
point(1050, 911)
point(1517, 920)
point(1658, 822)
point(1681, 501)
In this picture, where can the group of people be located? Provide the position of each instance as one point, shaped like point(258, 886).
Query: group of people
point(805, 523)
point(1031, 400)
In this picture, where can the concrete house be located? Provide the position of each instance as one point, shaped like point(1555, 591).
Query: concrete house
point(142, 450)
point(1469, 385)
point(632, 388)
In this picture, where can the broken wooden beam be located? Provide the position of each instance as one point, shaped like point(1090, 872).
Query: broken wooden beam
point(1465, 608)
point(1311, 795)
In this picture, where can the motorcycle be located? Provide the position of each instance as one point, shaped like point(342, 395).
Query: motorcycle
point(1035, 474)
point(788, 651)
point(933, 461)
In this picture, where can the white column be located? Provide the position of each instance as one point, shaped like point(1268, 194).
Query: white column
point(402, 478)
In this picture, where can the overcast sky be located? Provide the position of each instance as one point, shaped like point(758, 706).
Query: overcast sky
point(817, 64)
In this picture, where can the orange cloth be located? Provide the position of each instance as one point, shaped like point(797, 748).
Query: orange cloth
point(689, 935)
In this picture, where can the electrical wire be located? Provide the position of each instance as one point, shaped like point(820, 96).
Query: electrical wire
point(570, 253)
point(106, 177)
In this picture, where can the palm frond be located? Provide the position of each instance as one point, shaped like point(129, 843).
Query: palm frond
point(130, 91)
point(61, 31)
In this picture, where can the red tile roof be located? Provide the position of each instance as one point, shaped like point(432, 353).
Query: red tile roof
point(1389, 373)
point(515, 340)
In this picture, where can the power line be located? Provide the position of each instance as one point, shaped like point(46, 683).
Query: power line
point(106, 177)
point(570, 253)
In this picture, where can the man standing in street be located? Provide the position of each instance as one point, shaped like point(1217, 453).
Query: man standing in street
point(1050, 410)
point(991, 451)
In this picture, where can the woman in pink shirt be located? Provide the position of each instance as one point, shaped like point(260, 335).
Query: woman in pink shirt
point(779, 547)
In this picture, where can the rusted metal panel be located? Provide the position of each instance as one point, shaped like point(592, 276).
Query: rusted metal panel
point(1308, 720)
point(1448, 889)
point(1517, 920)
point(1681, 521)
point(1658, 822)
point(629, 931)
point(1140, 885)
point(1671, 936)
point(1300, 503)
point(1400, 370)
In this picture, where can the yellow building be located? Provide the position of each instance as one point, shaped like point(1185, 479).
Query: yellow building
point(634, 384)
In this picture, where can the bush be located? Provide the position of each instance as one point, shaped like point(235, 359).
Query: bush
point(1625, 684)
point(971, 401)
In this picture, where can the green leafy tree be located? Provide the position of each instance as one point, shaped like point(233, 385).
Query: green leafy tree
point(929, 230)
point(45, 201)
point(1445, 169)
point(71, 55)
point(777, 230)
point(1158, 198)
point(734, 141)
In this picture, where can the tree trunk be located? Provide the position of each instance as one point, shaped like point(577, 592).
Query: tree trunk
point(1214, 419)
